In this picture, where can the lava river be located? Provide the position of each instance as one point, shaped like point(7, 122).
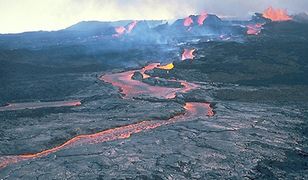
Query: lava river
point(38, 105)
point(133, 88)
point(130, 88)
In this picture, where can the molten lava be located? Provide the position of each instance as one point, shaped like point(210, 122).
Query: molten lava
point(188, 21)
point(131, 26)
point(276, 14)
point(130, 87)
point(188, 54)
point(133, 88)
point(38, 105)
point(202, 18)
point(166, 67)
point(148, 67)
point(120, 30)
point(254, 29)
point(193, 111)
point(73, 103)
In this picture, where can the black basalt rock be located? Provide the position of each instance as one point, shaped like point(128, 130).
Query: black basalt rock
point(137, 76)
point(162, 82)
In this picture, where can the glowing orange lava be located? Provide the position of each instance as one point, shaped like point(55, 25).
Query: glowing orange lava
point(188, 54)
point(188, 21)
point(38, 105)
point(131, 26)
point(254, 29)
point(74, 103)
point(120, 31)
point(133, 88)
point(148, 67)
point(202, 17)
point(166, 67)
point(276, 14)
point(130, 88)
point(193, 111)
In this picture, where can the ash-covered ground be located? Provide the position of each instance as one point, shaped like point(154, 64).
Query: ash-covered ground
point(256, 84)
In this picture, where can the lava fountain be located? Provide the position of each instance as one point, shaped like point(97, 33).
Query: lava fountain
point(202, 17)
point(188, 54)
point(131, 26)
point(120, 31)
point(276, 14)
point(188, 21)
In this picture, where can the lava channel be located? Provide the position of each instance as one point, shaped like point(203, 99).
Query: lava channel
point(193, 111)
point(130, 88)
point(38, 105)
point(134, 88)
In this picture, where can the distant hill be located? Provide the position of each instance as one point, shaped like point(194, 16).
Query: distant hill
point(99, 25)
point(87, 33)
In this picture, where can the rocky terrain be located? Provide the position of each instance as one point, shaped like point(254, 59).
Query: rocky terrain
point(237, 110)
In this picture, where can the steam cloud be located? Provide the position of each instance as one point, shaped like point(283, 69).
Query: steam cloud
point(29, 15)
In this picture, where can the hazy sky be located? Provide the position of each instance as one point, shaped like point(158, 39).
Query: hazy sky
point(29, 15)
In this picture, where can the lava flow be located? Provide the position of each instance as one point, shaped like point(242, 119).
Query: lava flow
point(276, 14)
point(133, 88)
point(202, 17)
point(193, 111)
point(188, 21)
point(130, 88)
point(131, 26)
point(254, 29)
point(188, 54)
point(166, 67)
point(38, 105)
point(122, 30)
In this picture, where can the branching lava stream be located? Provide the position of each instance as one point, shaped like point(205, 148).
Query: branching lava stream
point(130, 88)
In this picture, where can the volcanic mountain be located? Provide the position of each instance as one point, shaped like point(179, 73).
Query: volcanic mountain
point(201, 98)
point(88, 32)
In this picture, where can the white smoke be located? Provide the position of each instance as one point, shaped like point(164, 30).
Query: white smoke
point(29, 15)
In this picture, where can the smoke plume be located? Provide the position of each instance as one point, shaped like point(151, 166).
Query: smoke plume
point(30, 15)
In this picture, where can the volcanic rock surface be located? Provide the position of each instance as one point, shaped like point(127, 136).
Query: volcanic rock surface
point(238, 110)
